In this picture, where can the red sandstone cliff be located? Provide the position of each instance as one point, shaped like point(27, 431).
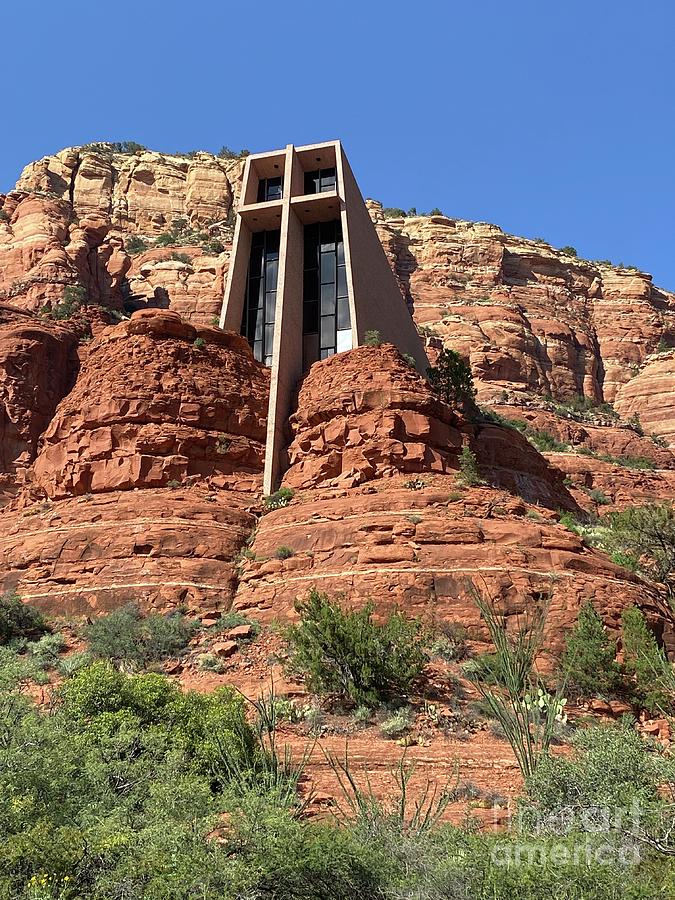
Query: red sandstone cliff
point(131, 461)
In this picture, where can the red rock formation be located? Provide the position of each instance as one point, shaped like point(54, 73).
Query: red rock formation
point(416, 550)
point(38, 364)
point(367, 414)
point(162, 548)
point(152, 406)
point(651, 396)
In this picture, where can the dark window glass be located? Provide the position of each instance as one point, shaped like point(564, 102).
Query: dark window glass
point(310, 318)
point(328, 331)
point(311, 286)
point(327, 179)
point(312, 182)
point(342, 281)
point(342, 313)
point(327, 268)
point(270, 189)
point(270, 305)
point(320, 180)
point(328, 297)
point(340, 251)
point(327, 283)
point(271, 269)
point(260, 299)
point(328, 300)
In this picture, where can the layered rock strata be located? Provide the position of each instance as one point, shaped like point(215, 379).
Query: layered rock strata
point(157, 401)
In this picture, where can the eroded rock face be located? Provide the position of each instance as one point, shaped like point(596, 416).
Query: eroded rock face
point(140, 192)
point(529, 318)
point(161, 548)
point(651, 396)
point(38, 364)
point(157, 401)
point(417, 550)
point(367, 414)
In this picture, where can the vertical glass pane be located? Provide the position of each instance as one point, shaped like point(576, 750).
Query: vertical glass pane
point(342, 281)
point(343, 320)
point(310, 318)
point(269, 338)
point(326, 352)
point(327, 300)
point(310, 350)
point(327, 268)
point(270, 306)
point(271, 270)
point(328, 331)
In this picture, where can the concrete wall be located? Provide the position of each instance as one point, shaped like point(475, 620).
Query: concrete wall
point(376, 303)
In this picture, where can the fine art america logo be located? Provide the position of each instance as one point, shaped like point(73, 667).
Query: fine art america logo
point(573, 836)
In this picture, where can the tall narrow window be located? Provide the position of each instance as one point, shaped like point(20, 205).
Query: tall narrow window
point(320, 180)
point(257, 323)
point(270, 189)
point(326, 324)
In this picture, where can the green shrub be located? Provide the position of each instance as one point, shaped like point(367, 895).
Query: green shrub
point(199, 343)
point(46, 651)
point(346, 653)
point(213, 247)
point(647, 534)
point(278, 499)
point(4, 216)
point(372, 339)
point(568, 251)
point(415, 484)
point(469, 474)
point(19, 620)
point(397, 725)
point(610, 770)
point(589, 661)
point(124, 636)
point(284, 552)
point(645, 663)
point(181, 257)
point(569, 520)
point(452, 380)
point(74, 298)
point(393, 212)
point(135, 244)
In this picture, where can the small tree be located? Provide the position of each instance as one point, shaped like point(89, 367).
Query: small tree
point(372, 339)
point(589, 662)
point(19, 620)
point(344, 652)
point(452, 380)
point(469, 474)
point(645, 662)
point(647, 534)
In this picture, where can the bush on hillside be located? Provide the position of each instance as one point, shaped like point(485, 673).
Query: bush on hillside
point(345, 652)
point(126, 637)
point(645, 663)
point(589, 662)
point(450, 377)
point(19, 620)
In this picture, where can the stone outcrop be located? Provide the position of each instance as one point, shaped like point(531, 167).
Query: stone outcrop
point(530, 318)
point(162, 548)
point(157, 401)
point(417, 550)
point(367, 414)
point(38, 365)
point(143, 191)
point(651, 396)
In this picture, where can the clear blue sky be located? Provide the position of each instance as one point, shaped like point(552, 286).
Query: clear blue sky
point(550, 120)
